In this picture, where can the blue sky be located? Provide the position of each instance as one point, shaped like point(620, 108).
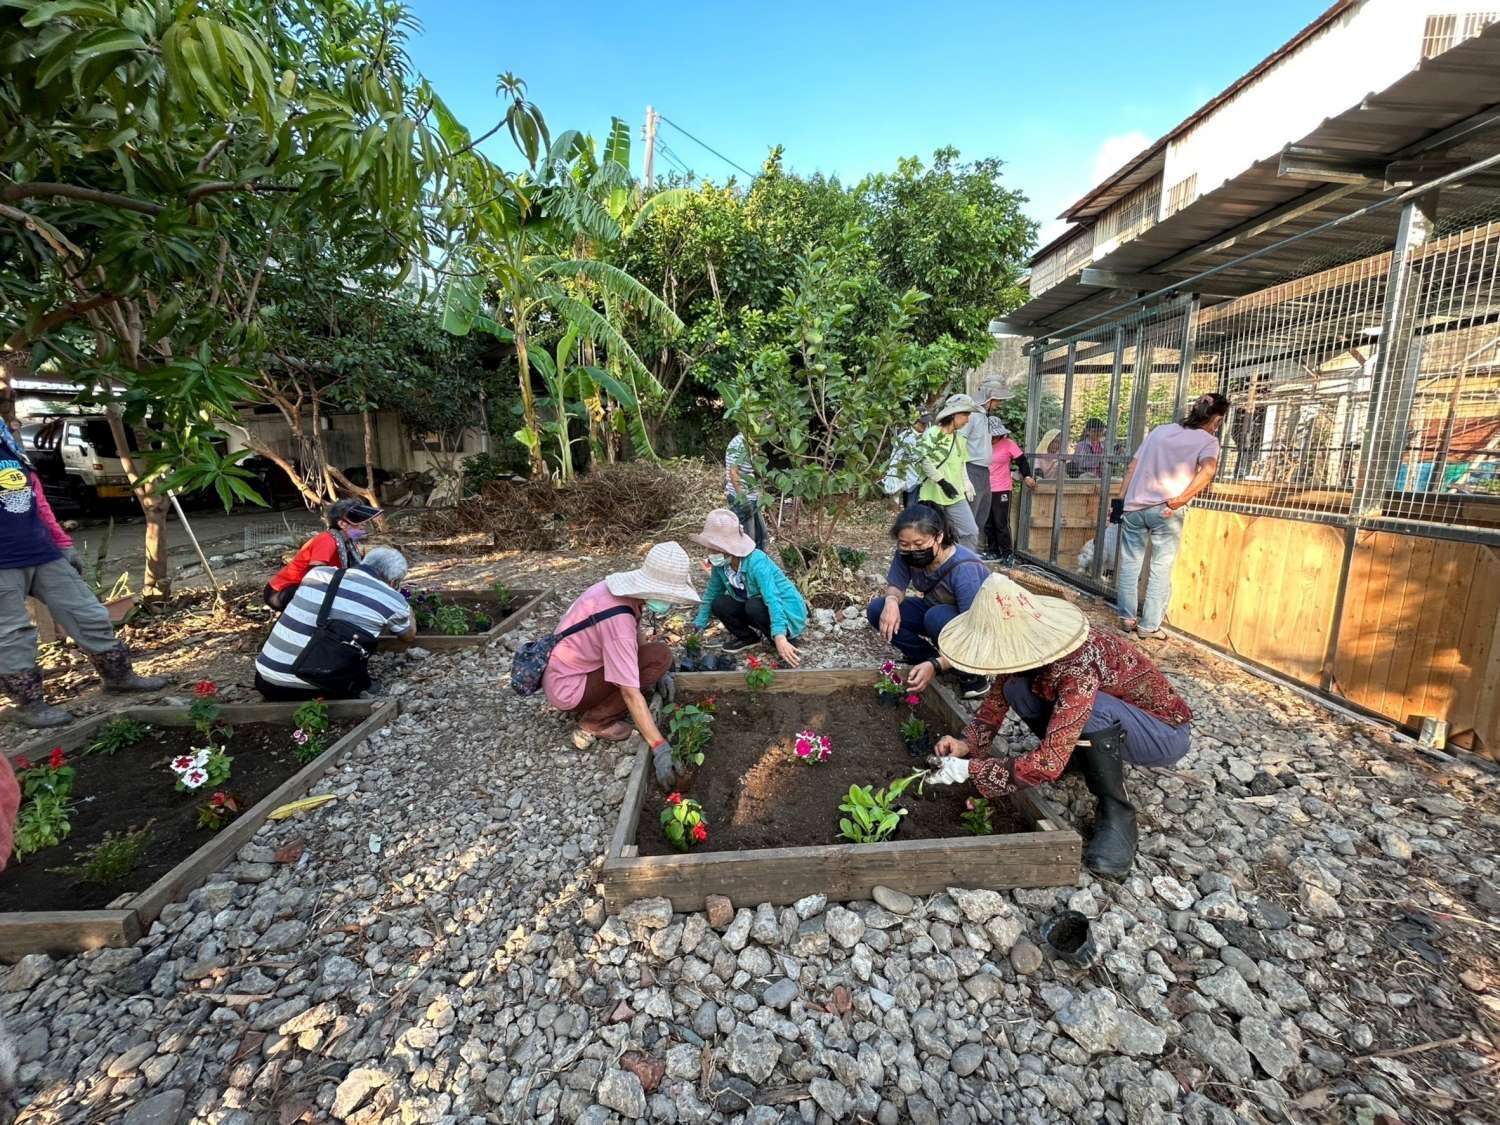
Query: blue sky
point(1063, 90)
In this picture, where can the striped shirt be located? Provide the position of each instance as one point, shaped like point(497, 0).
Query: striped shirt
point(362, 600)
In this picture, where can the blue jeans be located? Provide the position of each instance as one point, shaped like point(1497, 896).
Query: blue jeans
point(920, 625)
point(1148, 740)
point(1165, 535)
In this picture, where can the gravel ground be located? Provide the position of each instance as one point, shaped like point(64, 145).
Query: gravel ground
point(1311, 932)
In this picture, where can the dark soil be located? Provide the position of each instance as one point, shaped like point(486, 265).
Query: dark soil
point(756, 793)
point(495, 611)
point(120, 793)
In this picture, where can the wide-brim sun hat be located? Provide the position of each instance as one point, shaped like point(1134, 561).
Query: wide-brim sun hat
point(666, 576)
point(1047, 439)
point(1010, 629)
point(722, 532)
point(957, 404)
point(996, 390)
point(352, 510)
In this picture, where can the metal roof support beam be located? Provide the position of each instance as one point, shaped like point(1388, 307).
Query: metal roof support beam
point(1394, 380)
point(1287, 212)
point(1150, 282)
point(1329, 166)
point(1031, 437)
point(1064, 428)
point(1107, 478)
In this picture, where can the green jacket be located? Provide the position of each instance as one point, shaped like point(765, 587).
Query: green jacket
point(945, 456)
point(763, 580)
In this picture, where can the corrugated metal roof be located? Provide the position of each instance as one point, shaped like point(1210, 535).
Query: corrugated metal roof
point(1441, 93)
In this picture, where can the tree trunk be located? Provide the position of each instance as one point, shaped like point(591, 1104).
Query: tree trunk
point(309, 497)
point(370, 485)
point(528, 404)
point(157, 581)
point(12, 364)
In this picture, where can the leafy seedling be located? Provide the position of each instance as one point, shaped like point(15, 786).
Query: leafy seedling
point(111, 859)
point(116, 735)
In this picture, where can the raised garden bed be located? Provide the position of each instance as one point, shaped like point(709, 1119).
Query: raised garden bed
point(503, 611)
point(772, 820)
point(122, 791)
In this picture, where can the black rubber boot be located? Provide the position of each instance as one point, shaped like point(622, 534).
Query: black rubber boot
point(115, 670)
point(1111, 849)
point(32, 709)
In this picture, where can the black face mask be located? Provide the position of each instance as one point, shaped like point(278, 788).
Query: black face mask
point(919, 559)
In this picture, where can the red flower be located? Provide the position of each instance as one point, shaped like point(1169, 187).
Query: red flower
point(708, 704)
point(203, 689)
point(700, 832)
point(56, 758)
point(913, 700)
point(217, 799)
point(674, 798)
point(23, 762)
point(754, 662)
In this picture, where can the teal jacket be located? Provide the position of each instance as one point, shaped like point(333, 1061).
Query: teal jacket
point(763, 580)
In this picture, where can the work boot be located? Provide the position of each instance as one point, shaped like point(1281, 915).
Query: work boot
point(32, 710)
point(1111, 849)
point(115, 670)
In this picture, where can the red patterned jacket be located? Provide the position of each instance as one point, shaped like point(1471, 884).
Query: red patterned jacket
point(1104, 662)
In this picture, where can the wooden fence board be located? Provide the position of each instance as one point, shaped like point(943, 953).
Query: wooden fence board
point(1206, 577)
point(1288, 582)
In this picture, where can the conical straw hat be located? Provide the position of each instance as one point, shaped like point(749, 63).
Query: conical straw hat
point(1010, 629)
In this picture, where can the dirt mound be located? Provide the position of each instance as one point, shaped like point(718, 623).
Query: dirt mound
point(612, 507)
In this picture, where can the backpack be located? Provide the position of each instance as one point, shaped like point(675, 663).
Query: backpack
point(530, 662)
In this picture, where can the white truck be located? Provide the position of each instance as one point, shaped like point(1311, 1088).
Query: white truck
point(77, 458)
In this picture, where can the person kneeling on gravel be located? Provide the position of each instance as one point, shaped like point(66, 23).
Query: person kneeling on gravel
point(37, 560)
point(602, 665)
point(1095, 700)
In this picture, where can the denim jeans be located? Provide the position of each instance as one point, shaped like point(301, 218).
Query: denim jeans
point(1164, 532)
point(920, 625)
point(1148, 740)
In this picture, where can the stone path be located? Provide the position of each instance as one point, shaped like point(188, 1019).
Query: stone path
point(1310, 934)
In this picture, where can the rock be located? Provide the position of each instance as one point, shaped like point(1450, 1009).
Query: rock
point(720, 911)
point(1228, 988)
point(684, 1062)
point(832, 1097)
point(159, 1109)
point(811, 939)
point(1217, 1047)
point(1139, 1036)
point(752, 1052)
point(357, 1085)
point(1005, 929)
point(1318, 902)
point(967, 1059)
point(621, 1091)
point(810, 906)
point(780, 994)
point(282, 936)
point(1276, 1051)
point(1173, 893)
point(28, 972)
point(1025, 957)
point(844, 926)
point(766, 927)
point(984, 987)
point(1092, 1021)
point(1393, 843)
point(128, 1062)
point(272, 1015)
point(738, 933)
point(647, 914)
point(897, 902)
point(978, 906)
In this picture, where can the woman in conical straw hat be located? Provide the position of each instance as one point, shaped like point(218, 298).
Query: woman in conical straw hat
point(1091, 696)
point(601, 669)
point(747, 592)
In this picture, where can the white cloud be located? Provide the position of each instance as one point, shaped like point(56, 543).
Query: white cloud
point(1115, 151)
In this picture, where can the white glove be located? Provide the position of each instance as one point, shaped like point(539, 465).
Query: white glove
point(968, 490)
point(948, 771)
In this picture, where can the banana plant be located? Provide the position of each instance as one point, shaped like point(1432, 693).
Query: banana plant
point(571, 386)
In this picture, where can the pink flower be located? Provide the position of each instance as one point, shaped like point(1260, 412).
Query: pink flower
point(300, 737)
point(888, 667)
point(969, 804)
point(803, 748)
point(184, 762)
point(194, 778)
point(913, 700)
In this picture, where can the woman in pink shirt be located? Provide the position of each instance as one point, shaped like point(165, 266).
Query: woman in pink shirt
point(1004, 451)
point(600, 671)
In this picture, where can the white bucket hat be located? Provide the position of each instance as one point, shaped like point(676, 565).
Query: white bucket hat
point(1009, 629)
point(994, 389)
point(957, 404)
point(665, 575)
point(722, 532)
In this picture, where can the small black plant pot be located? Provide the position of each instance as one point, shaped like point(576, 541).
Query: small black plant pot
point(723, 662)
point(689, 664)
point(918, 747)
point(1067, 935)
point(887, 699)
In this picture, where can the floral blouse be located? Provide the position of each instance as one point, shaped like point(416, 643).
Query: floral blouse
point(1104, 662)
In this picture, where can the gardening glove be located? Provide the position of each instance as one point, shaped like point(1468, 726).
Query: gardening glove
point(666, 769)
point(947, 771)
point(969, 490)
point(70, 556)
point(948, 490)
point(1116, 510)
point(666, 689)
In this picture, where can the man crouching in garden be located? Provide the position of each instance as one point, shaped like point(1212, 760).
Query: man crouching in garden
point(1092, 697)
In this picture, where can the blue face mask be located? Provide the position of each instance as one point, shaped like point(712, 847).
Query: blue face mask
point(718, 560)
point(658, 607)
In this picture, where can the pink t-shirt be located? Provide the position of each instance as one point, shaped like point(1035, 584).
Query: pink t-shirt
point(1166, 463)
point(1003, 450)
point(612, 645)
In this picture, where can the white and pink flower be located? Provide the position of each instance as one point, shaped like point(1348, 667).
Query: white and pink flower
point(194, 778)
point(194, 761)
point(888, 667)
point(300, 736)
point(812, 747)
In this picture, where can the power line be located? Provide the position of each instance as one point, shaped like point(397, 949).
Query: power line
point(705, 144)
point(673, 159)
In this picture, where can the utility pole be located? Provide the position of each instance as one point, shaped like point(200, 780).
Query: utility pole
point(650, 148)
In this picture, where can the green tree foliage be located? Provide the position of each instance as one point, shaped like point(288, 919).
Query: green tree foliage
point(155, 161)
